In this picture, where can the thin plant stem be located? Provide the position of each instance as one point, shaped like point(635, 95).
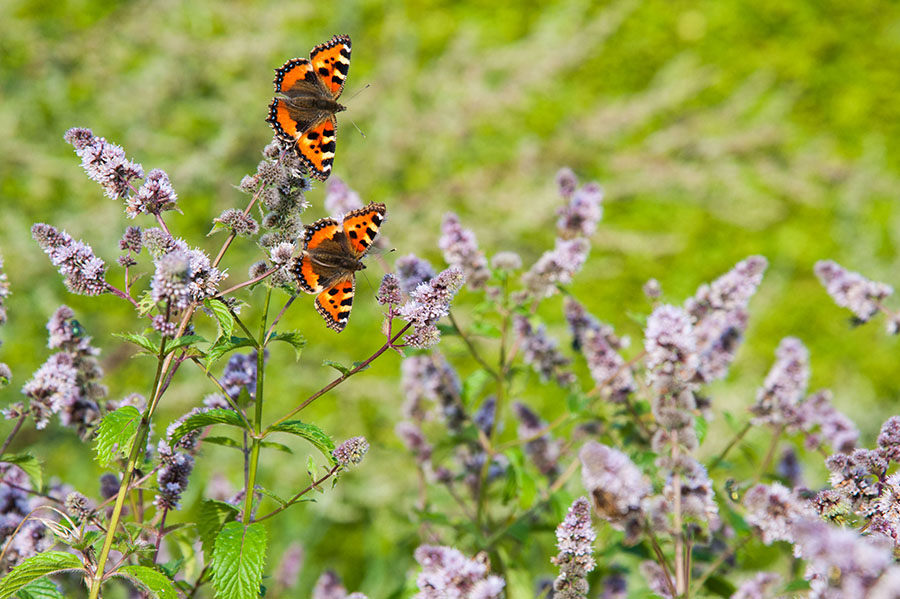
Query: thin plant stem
point(118, 292)
point(299, 495)
point(717, 563)
point(680, 581)
point(200, 580)
point(257, 420)
point(221, 388)
point(661, 558)
point(243, 327)
point(15, 430)
point(271, 330)
point(770, 454)
point(246, 283)
point(160, 534)
point(472, 350)
point(232, 235)
point(162, 224)
point(734, 441)
point(362, 366)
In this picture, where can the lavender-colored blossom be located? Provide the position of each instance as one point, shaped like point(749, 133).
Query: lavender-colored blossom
point(566, 182)
point(774, 510)
point(540, 351)
point(543, 451)
point(580, 216)
point(580, 321)
point(612, 376)
point(671, 347)
point(506, 261)
point(818, 419)
point(412, 272)
point(389, 291)
point(157, 241)
point(760, 586)
point(615, 587)
point(109, 485)
point(216, 401)
point(656, 579)
point(15, 504)
point(415, 441)
point(575, 540)
point(886, 518)
point(789, 468)
point(615, 485)
point(351, 452)
point(172, 477)
point(184, 275)
point(460, 248)
point(104, 162)
point(839, 562)
point(556, 267)
point(448, 574)
point(153, 197)
point(236, 221)
point(4, 292)
point(851, 290)
point(856, 476)
point(785, 384)
point(289, 567)
point(189, 441)
point(486, 415)
point(131, 240)
point(83, 271)
point(731, 291)
point(165, 327)
point(652, 289)
point(340, 198)
point(431, 377)
point(329, 586)
point(428, 303)
point(240, 373)
point(697, 496)
point(889, 438)
point(77, 506)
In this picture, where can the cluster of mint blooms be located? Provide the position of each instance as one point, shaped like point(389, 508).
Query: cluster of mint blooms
point(845, 533)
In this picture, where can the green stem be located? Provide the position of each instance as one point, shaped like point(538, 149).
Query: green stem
point(257, 424)
point(734, 441)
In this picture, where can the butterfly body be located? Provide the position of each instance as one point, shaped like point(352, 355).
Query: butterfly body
point(303, 113)
point(332, 254)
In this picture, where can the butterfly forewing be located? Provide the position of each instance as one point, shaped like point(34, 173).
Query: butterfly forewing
point(335, 302)
point(331, 62)
point(361, 226)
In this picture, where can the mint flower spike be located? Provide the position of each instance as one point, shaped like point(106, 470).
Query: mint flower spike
point(851, 290)
point(575, 539)
point(351, 452)
point(83, 271)
point(412, 271)
point(446, 572)
point(427, 304)
point(104, 162)
point(460, 248)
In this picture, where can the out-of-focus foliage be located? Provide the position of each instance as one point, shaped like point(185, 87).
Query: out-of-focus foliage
point(719, 129)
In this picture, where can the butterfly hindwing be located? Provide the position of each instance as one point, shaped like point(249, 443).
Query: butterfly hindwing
point(316, 149)
point(361, 226)
point(334, 303)
point(331, 62)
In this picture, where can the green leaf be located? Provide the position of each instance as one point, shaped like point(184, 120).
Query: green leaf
point(140, 341)
point(156, 582)
point(238, 559)
point(146, 303)
point(361, 365)
point(485, 329)
point(223, 316)
point(271, 494)
point(447, 330)
point(223, 345)
point(184, 340)
point(311, 433)
point(29, 464)
point(276, 446)
point(223, 441)
point(213, 516)
point(210, 417)
point(36, 567)
point(294, 339)
point(311, 468)
point(42, 588)
point(116, 433)
point(702, 429)
point(336, 365)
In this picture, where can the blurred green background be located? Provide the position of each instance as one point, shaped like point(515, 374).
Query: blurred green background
point(718, 128)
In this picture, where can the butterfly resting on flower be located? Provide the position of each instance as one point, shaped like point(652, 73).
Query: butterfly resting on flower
point(332, 253)
point(303, 114)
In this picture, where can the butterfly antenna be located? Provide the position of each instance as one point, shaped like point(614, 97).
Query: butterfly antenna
point(359, 91)
point(357, 128)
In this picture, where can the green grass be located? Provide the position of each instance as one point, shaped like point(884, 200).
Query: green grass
point(718, 128)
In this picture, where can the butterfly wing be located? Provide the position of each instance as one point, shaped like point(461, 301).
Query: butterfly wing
point(316, 149)
point(361, 227)
point(295, 77)
point(312, 276)
point(335, 302)
point(331, 62)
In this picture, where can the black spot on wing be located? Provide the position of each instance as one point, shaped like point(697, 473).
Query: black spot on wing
point(323, 71)
point(345, 52)
point(312, 135)
point(377, 219)
point(337, 79)
point(333, 291)
point(353, 235)
point(330, 146)
point(347, 302)
point(343, 67)
point(371, 232)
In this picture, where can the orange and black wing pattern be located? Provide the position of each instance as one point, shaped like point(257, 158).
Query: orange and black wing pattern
point(316, 149)
point(331, 62)
point(310, 277)
point(334, 303)
point(361, 227)
point(281, 119)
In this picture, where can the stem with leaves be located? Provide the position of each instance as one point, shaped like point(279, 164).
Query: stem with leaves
point(256, 441)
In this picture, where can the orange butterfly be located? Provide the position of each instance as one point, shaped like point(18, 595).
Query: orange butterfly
point(304, 112)
point(332, 253)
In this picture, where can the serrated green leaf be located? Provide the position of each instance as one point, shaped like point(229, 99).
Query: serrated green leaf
point(276, 446)
point(238, 559)
point(36, 567)
point(141, 341)
point(447, 330)
point(223, 441)
point(223, 316)
point(42, 588)
point(213, 516)
point(208, 418)
point(29, 464)
point(311, 433)
point(271, 494)
point(336, 365)
point(702, 429)
point(223, 345)
point(184, 340)
point(116, 433)
point(146, 303)
point(311, 468)
point(294, 339)
point(157, 583)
